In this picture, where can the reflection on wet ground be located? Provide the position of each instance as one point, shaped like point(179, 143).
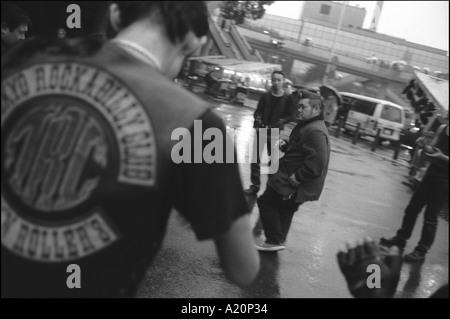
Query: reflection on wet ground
point(363, 196)
point(417, 280)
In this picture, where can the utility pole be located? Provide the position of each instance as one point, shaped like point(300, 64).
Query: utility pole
point(333, 47)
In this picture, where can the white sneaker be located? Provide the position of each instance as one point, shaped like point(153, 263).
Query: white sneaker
point(270, 247)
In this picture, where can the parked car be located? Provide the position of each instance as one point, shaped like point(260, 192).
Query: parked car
point(373, 115)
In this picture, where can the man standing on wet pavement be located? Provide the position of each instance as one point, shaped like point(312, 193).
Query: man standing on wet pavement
point(301, 174)
point(432, 192)
point(275, 108)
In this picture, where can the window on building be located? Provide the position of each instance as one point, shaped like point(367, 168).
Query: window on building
point(325, 9)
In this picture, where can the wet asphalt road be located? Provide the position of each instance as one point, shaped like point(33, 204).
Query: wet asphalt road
point(363, 196)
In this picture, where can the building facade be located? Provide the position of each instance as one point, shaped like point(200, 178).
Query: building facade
point(330, 12)
point(320, 30)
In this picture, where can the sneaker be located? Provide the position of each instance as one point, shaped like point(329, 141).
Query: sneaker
point(415, 256)
point(270, 247)
point(393, 241)
point(253, 190)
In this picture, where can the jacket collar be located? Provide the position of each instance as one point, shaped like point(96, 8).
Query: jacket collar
point(316, 118)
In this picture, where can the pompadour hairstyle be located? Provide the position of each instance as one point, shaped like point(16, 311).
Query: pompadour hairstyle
point(314, 98)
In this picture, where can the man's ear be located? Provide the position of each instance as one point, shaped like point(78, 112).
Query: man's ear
point(5, 28)
point(192, 43)
point(202, 40)
point(318, 109)
point(114, 16)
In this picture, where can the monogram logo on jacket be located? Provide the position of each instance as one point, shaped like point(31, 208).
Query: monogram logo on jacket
point(69, 130)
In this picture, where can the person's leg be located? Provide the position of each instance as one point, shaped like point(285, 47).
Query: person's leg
point(415, 206)
point(288, 210)
point(255, 174)
point(258, 228)
point(255, 169)
point(269, 210)
point(437, 193)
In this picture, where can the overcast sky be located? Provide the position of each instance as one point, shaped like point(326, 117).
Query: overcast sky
point(423, 22)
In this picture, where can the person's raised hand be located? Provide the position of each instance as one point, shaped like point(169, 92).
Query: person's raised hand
point(354, 265)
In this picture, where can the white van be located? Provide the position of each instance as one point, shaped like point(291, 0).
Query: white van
point(373, 114)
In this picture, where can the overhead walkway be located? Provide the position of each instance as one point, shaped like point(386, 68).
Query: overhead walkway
point(229, 41)
point(320, 55)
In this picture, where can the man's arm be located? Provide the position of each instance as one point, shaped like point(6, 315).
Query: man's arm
point(432, 153)
point(236, 249)
point(210, 197)
point(316, 157)
point(257, 115)
point(290, 110)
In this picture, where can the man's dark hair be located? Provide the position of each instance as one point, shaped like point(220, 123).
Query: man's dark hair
point(14, 16)
point(278, 72)
point(178, 17)
point(314, 99)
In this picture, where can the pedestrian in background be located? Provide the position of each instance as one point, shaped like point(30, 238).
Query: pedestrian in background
point(301, 174)
point(330, 109)
point(432, 192)
point(95, 186)
point(15, 24)
point(274, 109)
point(287, 87)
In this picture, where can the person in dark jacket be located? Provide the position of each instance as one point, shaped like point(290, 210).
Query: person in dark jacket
point(15, 23)
point(90, 171)
point(301, 174)
point(432, 192)
point(274, 109)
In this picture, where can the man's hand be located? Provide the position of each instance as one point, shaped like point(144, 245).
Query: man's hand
point(258, 122)
point(421, 141)
point(294, 181)
point(280, 123)
point(437, 157)
point(282, 145)
point(354, 264)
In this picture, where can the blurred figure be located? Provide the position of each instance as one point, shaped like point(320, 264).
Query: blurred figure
point(15, 23)
point(212, 81)
point(287, 87)
point(330, 105)
point(274, 109)
point(61, 33)
point(267, 85)
point(90, 168)
point(301, 174)
point(354, 265)
point(432, 192)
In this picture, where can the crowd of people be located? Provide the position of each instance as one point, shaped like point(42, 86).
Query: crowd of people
point(88, 176)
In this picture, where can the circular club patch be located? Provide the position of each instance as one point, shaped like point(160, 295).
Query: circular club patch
point(68, 129)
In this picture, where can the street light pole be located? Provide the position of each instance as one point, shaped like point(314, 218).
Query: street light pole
point(328, 69)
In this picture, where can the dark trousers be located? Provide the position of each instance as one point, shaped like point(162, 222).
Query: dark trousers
point(431, 193)
point(276, 215)
point(255, 174)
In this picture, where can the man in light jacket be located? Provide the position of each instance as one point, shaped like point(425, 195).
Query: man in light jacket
point(301, 174)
